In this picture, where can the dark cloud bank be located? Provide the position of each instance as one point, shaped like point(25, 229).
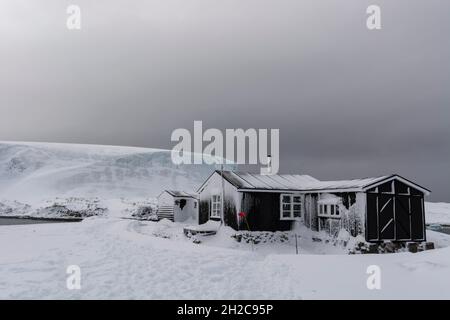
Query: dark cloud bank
point(349, 102)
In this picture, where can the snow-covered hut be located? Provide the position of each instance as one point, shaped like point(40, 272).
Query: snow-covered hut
point(178, 206)
point(381, 208)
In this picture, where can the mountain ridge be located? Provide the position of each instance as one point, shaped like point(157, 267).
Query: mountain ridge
point(33, 171)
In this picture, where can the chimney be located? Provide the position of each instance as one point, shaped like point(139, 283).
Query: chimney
point(269, 163)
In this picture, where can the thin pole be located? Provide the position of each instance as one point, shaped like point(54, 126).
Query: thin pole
point(296, 245)
point(222, 219)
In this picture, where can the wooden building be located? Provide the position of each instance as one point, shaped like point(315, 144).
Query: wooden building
point(381, 208)
point(178, 206)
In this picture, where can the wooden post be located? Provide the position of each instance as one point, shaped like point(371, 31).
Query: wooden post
point(222, 202)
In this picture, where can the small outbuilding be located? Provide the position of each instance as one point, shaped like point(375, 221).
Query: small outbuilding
point(178, 206)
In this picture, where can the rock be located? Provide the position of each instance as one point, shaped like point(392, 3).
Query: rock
point(238, 237)
point(429, 245)
point(412, 246)
point(373, 248)
point(390, 247)
point(397, 245)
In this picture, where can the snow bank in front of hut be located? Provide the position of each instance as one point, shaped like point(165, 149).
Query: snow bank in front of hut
point(122, 258)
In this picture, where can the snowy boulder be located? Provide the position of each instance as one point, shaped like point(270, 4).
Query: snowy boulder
point(71, 208)
point(145, 213)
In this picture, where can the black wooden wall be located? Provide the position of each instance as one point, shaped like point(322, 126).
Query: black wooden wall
point(230, 212)
point(263, 212)
point(395, 211)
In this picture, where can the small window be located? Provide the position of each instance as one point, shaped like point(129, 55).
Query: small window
point(215, 206)
point(286, 206)
point(328, 210)
point(290, 207)
point(297, 210)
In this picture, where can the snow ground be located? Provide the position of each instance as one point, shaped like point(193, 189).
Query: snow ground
point(128, 259)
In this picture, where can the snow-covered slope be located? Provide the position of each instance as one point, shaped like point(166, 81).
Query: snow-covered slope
point(31, 172)
point(437, 212)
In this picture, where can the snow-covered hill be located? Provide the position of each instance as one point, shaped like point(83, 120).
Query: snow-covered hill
point(33, 172)
point(437, 212)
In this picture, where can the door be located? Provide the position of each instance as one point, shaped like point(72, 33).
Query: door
point(395, 212)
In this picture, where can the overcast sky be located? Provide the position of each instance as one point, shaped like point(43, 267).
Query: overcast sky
point(349, 102)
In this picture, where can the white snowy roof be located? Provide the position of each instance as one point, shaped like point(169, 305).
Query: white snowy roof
point(330, 199)
point(295, 182)
point(180, 194)
point(244, 180)
point(344, 184)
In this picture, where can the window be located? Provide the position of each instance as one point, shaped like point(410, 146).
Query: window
point(285, 206)
point(290, 206)
point(329, 215)
point(329, 210)
point(216, 206)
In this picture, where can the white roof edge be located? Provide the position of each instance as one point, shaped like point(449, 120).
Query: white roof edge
point(301, 191)
point(396, 176)
point(187, 195)
point(205, 182)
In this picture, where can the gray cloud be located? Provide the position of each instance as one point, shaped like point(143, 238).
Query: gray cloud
point(348, 102)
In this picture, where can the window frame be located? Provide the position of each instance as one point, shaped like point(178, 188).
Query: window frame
point(291, 206)
point(216, 206)
point(325, 210)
